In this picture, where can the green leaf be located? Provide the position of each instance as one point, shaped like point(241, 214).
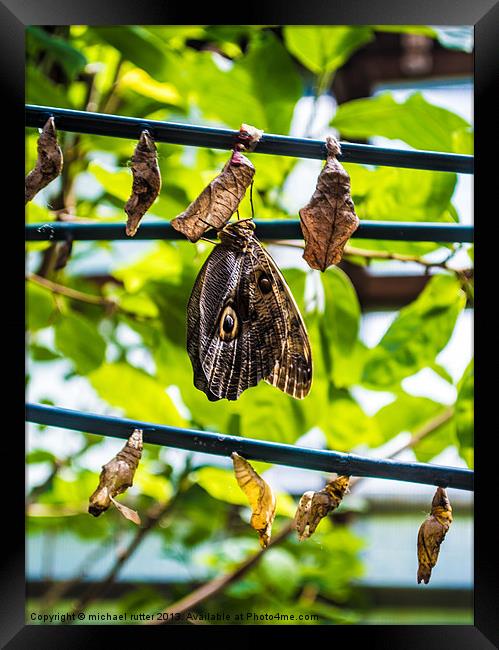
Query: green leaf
point(163, 262)
point(39, 307)
point(40, 90)
point(346, 425)
point(415, 121)
point(436, 442)
point(465, 414)
point(442, 372)
point(156, 486)
point(140, 82)
point(407, 414)
point(274, 80)
point(138, 45)
point(342, 310)
point(393, 194)
point(40, 456)
point(71, 59)
point(261, 88)
point(279, 572)
point(325, 49)
point(138, 394)
point(41, 353)
point(118, 183)
point(78, 339)
point(266, 411)
point(417, 335)
point(139, 304)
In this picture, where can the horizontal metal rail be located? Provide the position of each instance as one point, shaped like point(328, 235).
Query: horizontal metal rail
point(194, 135)
point(224, 445)
point(278, 229)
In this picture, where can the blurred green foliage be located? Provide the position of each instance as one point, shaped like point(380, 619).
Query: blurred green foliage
point(133, 355)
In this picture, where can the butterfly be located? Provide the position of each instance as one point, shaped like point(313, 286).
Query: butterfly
point(243, 324)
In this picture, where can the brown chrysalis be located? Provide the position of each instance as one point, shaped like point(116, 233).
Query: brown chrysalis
point(116, 477)
point(432, 533)
point(221, 198)
point(49, 162)
point(329, 219)
point(314, 506)
point(146, 182)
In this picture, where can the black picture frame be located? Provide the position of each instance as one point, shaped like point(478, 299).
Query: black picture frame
point(14, 16)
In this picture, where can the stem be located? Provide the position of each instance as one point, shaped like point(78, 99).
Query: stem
point(387, 255)
point(68, 292)
point(108, 100)
point(73, 294)
point(464, 275)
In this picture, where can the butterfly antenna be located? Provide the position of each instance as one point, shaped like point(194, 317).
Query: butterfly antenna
point(238, 215)
point(251, 201)
point(208, 240)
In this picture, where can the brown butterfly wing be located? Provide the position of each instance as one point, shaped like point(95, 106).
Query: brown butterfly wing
point(268, 339)
point(225, 364)
point(292, 371)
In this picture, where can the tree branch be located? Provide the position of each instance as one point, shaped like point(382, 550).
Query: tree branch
point(109, 304)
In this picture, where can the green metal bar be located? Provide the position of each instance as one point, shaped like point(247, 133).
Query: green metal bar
point(224, 445)
point(193, 135)
point(278, 229)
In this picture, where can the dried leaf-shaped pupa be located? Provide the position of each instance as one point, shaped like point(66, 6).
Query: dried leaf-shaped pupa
point(260, 497)
point(219, 200)
point(314, 506)
point(146, 182)
point(431, 534)
point(116, 477)
point(329, 219)
point(49, 162)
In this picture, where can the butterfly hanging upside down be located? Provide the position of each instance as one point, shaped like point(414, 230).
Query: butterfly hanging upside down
point(243, 324)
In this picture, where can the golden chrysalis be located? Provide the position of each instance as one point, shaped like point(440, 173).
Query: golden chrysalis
point(260, 497)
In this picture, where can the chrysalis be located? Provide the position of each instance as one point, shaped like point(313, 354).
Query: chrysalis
point(314, 506)
point(146, 182)
point(260, 497)
point(116, 477)
point(49, 162)
point(432, 533)
point(329, 219)
point(221, 198)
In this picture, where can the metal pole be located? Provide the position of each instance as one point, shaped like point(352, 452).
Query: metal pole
point(224, 445)
point(278, 229)
point(202, 136)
